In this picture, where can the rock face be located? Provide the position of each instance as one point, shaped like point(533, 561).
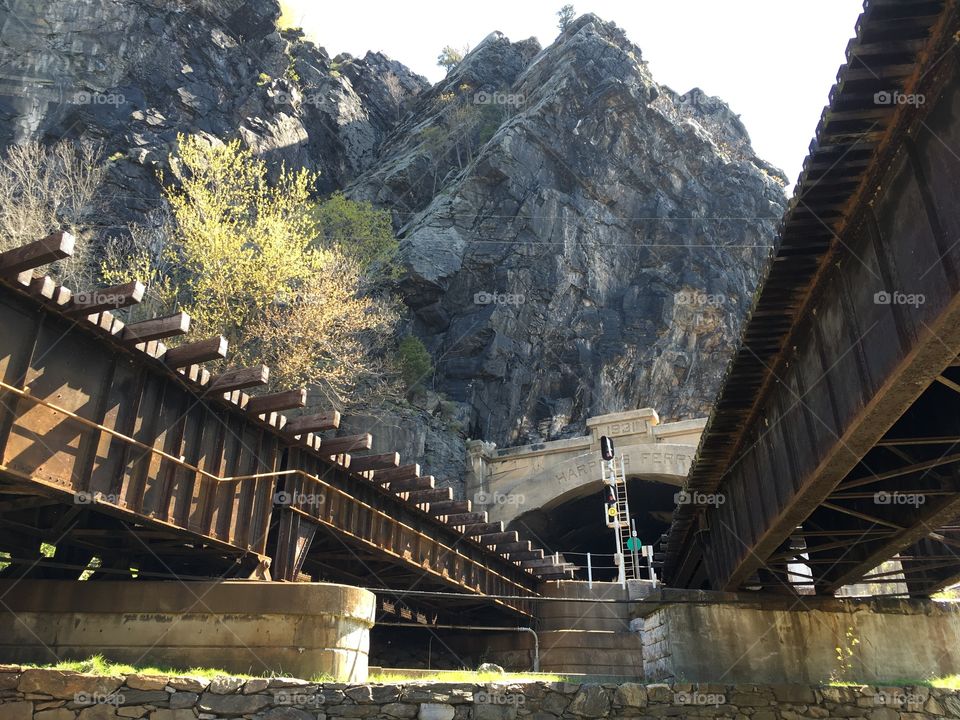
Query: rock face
point(576, 238)
point(597, 252)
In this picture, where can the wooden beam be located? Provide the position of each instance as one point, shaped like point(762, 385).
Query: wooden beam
point(419, 497)
point(53, 247)
point(214, 348)
point(286, 400)
point(108, 298)
point(450, 507)
point(468, 518)
point(240, 379)
point(517, 546)
point(481, 529)
point(547, 562)
point(156, 329)
point(495, 537)
point(315, 423)
point(523, 554)
point(43, 286)
point(404, 472)
point(421, 483)
point(365, 463)
point(345, 444)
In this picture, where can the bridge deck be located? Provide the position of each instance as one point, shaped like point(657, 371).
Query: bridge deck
point(851, 342)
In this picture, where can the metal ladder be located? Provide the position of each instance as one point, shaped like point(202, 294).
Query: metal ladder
point(629, 571)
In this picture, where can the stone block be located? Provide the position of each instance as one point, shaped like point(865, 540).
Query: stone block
point(66, 685)
point(436, 711)
point(180, 700)
point(232, 704)
point(16, 711)
point(55, 714)
point(399, 710)
point(146, 682)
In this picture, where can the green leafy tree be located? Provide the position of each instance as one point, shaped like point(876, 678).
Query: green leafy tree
point(414, 360)
point(255, 260)
point(361, 230)
point(566, 14)
point(450, 57)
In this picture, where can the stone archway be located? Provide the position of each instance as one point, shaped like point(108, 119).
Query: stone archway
point(509, 482)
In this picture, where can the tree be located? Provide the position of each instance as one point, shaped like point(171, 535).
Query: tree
point(566, 15)
point(450, 57)
point(414, 360)
point(259, 262)
point(43, 189)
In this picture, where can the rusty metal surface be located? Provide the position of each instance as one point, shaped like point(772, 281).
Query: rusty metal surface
point(824, 369)
point(85, 418)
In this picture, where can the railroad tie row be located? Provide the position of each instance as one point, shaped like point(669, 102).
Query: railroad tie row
point(17, 267)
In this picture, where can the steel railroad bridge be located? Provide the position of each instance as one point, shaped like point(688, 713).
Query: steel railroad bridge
point(133, 460)
point(836, 438)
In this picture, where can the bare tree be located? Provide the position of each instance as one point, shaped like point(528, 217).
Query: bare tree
point(43, 189)
point(566, 14)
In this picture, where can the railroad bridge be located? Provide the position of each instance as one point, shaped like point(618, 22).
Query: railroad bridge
point(134, 452)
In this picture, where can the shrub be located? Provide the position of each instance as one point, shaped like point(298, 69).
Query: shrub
point(414, 361)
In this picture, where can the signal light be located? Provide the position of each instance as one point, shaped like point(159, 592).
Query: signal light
point(606, 448)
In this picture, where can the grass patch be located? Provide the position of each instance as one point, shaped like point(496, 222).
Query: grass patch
point(98, 665)
point(949, 682)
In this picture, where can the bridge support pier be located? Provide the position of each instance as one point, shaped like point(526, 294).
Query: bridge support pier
point(698, 636)
point(298, 629)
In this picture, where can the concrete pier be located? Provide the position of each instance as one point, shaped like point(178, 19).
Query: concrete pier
point(300, 629)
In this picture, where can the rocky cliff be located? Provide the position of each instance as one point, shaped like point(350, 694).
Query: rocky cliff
point(576, 238)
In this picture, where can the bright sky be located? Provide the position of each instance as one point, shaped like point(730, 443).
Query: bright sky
point(773, 61)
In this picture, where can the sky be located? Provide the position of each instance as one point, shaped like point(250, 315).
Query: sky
point(772, 61)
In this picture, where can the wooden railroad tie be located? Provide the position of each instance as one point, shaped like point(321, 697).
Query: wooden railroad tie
point(316, 423)
point(156, 329)
point(240, 379)
point(115, 297)
point(346, 444)
point(286, 400)
point(404, 472)
point(55, 246)
point(214, 348)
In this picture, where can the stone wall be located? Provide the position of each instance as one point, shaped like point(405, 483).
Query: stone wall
point(726, 637)
point(32, 694)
